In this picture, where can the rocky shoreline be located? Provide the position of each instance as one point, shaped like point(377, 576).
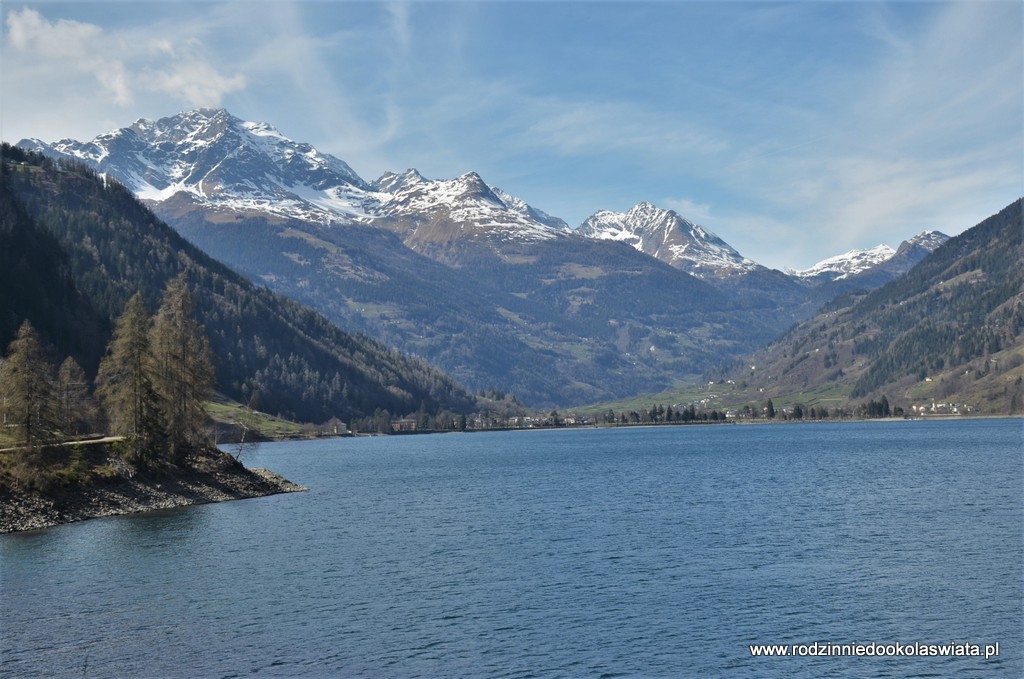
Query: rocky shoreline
point(208, 479)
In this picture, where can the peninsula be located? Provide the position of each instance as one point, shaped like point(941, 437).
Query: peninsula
point(90, 480)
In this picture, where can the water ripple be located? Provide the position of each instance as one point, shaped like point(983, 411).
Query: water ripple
point(639, 553)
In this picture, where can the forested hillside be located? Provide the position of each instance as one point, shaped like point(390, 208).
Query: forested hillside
point(951, 331)
point(965, 301)
point(36, 284)
point(104, 246)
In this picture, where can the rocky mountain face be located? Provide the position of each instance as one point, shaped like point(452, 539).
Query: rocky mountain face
point(212, 159)
point(665, 235)
point(441, 218)
point(910, 252)
point(867, 269)
point(474, 280)
point(880, 258)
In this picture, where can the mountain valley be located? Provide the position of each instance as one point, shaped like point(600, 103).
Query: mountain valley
point(104, 246)
point(463, 275)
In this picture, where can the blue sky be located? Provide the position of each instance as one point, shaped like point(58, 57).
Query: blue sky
point(795, 131)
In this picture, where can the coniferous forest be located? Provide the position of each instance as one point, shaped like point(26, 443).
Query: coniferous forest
point(151, 387)
point(948, 332)
point(81, 247)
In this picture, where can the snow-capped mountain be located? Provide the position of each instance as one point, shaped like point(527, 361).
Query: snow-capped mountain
point(881, 259)
point(519, 205)
point(920, 246)
point(217, 160)
point(669, 237)
point(458, 271)
point(209, 159)
point(440, 209)
point(847, 264)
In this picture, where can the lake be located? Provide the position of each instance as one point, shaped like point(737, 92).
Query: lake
point(649, 552)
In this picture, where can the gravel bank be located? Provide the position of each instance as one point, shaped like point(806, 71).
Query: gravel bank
point(209, 478)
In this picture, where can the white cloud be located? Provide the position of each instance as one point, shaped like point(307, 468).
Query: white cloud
point(28, 31)
point(72, 45)
point(124, 64)
point(195, 82)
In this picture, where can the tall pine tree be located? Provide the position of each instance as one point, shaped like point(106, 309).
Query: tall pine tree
point(183, 374)
point(26, 386)
point(124, 384)
point(75, 411)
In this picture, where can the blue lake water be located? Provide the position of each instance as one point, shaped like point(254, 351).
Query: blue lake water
point(658, 552)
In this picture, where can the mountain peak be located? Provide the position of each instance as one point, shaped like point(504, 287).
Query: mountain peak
point(202, 122)
point(880, 258)
point(913, 250)
point(666, 235)
point(927, 239)
point(389, 182)
point(224, 162)
point(649, 211)
point(847, 264)
point(212, 115)
point(471, 207)
point(472, 186)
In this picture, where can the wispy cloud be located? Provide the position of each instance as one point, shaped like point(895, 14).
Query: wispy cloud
point(123, 68)
point(792, 130)
point(582, 127)
point(28, 31)
point(193, 80)
point(928, 135)
point(74, 45)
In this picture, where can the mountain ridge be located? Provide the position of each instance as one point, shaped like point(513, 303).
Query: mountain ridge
point(880, 257)
point(224, 156)
point(269, 348)
point(458, 272)
point(667, 236)
point(482, 290)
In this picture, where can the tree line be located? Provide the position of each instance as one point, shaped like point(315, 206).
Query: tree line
point(151, 386)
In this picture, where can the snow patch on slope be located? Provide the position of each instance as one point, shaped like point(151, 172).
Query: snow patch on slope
point(848, 263)
point(223, 162)
point(466, 200)
point(669, 237)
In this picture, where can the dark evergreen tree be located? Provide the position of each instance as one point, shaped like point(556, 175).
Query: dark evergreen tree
point(125, 386)
point(301, 366)
point(182, 369)
point(26, 386)
point(75, 411)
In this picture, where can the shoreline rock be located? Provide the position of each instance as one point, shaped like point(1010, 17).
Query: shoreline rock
point(209, 479)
